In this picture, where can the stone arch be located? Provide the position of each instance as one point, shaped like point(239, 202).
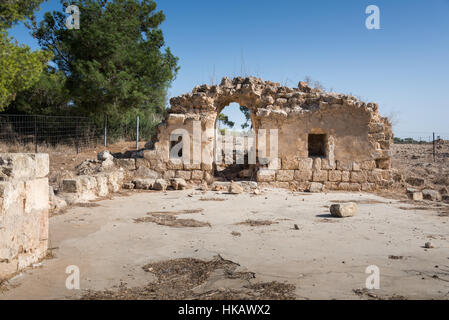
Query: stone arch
point(357, 144)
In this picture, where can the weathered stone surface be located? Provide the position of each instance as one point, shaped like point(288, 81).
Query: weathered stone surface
point(305, 164)
point(284, 175)
point(102, 185)
point(234, 188)
point(315, 187)
point(127, 164)
point(368, 165)
point(358, 176)
point(160, 184)
point(344, 165)
point(433, 195)
point(335, 175)
point(303, 175)
point(104, 155)
point(342, 210)
point(23, 165)
point(107, 165)
point(320, 176)
point(266, 175)
point(24, 205)
point(415, 181)
point(178, 184)
point(175, 164)
point(144, 172)
point(128, 185)
point(414, 194)
point(144, 184)
point(186, 175)
point(197, 175)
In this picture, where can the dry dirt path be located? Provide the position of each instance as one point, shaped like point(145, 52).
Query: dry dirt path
point(325, 258)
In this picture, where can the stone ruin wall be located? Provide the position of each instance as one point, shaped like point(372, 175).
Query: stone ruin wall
point(358, 139)
point(24, 204)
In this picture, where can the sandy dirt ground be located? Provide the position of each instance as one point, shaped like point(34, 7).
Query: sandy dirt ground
point(124, 244)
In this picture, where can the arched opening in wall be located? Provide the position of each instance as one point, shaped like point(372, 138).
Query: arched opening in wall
point(234, 145)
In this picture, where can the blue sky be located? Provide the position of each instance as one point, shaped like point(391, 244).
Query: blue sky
point(403, 66)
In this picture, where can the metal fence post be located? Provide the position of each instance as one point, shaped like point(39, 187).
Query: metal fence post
point(35, 134)
point(137, 133)
point(78, 136)
point(433, 146)
point(105, 130)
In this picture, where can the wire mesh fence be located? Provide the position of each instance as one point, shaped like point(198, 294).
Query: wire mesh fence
point(36, 131)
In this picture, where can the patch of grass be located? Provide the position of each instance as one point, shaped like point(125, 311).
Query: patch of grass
point(258, 223)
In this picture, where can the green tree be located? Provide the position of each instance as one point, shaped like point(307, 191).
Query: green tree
point(20, 68)
point(13, 11)
point(247, 117)
point(116, 61)
point(48, 96)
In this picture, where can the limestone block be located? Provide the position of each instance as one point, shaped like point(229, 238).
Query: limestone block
point(356, 166)
point(327, 164)
point(320, 176)
point(115, 180)
point(102, 185)
point(144, 172)
point(368, 165)
point(160, 184)
point(303, 175)
point(186, 175)
point(178, 184)
point(284, 175)
point(104, 155)
point(192, 166)
point(144, 184)
point(175, 164)
point(206, 166)
point(429, 194)
point(305, 164)
point(328, 185)
point(345, 176)
point(266, 175)
point(71, 186)
point(344, 165)
point(358, 176)
point(23, 165)
point(42, 165)
point(158, 165)
point(335, 175)
point(315, 187)
point(142, 162)
point(169, 174)
point(316, 164)
point(342, 210)
point(374, 176)
point(366, 186)
point(197, 175)
point(37, 195)
point(127, 164)
point(289, 163)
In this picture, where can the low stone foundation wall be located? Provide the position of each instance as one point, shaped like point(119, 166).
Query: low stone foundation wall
point(24, 202)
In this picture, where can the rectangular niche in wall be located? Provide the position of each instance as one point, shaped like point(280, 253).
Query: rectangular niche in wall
point(317, 145)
